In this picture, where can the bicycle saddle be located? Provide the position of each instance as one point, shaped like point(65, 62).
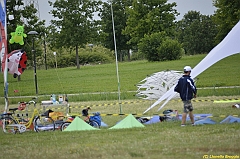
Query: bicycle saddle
point(13, 109)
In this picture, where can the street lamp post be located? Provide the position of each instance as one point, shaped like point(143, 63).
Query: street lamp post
point(34, 59)
point(90, 46)
point(55, 54)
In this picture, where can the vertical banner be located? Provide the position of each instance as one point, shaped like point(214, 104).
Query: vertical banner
point(3, 48)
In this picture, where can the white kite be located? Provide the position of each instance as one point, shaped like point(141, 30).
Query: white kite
point(230, 45)
point(154, 86)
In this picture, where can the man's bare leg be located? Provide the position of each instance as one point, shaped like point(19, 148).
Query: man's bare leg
point(184, 116)
point(191, 117)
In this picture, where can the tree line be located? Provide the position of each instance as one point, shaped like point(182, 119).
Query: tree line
point(143, 30)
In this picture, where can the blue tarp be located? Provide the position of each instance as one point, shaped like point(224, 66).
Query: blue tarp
point(204, 121)
point(230, 119)
point(196, 116)
point(154, 119)
point(103, 124)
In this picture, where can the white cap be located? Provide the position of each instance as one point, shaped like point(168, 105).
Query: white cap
point(187, 68)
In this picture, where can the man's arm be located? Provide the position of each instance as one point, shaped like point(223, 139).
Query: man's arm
point(176, 89)
point(193, 87)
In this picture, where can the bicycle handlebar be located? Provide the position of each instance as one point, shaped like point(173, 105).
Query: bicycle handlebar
point(31, 102)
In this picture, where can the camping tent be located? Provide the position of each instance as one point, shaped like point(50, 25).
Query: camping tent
point(79, 125)
point(227, 47)
point(129, 122)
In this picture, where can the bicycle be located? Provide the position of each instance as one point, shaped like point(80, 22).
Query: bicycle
point(38, 122)
point(94, 122)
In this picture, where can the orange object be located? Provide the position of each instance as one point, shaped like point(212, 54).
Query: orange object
point(31, 127)
point(56, 115)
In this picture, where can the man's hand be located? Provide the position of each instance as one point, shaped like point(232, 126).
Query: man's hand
point(195, 96)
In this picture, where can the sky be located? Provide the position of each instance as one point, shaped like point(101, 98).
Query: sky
point(205, 7)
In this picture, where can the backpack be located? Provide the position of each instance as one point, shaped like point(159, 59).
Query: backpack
point(96, 118)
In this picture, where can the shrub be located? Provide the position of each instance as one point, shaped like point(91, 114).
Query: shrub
point(94, 57)
point(149, 45)
point(159, 47)
point(169, 50)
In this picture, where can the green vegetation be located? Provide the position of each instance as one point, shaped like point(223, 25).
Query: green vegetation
point(96, 85)
point(160, 140)
point(99, 82)
point(165, 49)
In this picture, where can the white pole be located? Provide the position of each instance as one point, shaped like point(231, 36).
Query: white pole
point(115, 48)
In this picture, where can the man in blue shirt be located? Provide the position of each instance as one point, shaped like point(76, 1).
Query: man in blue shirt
point(187, 90)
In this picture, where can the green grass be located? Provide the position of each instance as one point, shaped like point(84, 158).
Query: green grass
point(102, 79)
point(160, 140)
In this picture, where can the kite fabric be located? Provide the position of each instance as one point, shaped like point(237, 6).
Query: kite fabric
point(3, 46)
point(227, 47)
point(17, 61)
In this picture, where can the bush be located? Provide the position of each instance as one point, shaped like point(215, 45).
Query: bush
point(149, 45)
point(66, 58)
point(159, 47)
point(137, 56)
point(170, 50)
point(94, 57)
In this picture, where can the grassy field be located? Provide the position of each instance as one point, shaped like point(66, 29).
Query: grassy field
point(161, 140)
point(102, 79)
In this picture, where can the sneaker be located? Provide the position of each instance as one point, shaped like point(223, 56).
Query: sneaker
point(192, 124)
point(183, 125)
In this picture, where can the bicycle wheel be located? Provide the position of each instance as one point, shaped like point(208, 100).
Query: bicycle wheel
point(65, 125)
point(94, 124)
point(7, 123)
point(43, 123)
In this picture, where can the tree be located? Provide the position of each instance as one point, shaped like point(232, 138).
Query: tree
point(159, 47)
point(148, 17)
point(74, 25)
point(25, 16)
point(196, 32)
point(13, 8)
point(120, 18)
point(226, 17)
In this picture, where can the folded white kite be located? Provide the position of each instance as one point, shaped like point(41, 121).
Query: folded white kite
point(230, 45)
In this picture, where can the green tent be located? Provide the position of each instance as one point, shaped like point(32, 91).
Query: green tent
point(78, 125)
point(129, 122)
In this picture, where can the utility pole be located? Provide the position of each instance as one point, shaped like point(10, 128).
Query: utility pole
point(45, 51)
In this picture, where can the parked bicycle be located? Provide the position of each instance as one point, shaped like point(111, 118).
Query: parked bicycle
point(13, 123)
